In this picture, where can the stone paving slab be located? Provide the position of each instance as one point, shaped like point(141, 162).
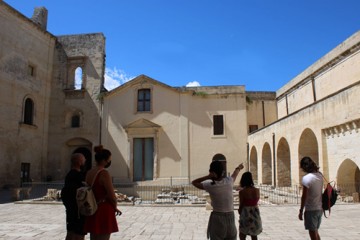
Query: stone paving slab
point(47, 222)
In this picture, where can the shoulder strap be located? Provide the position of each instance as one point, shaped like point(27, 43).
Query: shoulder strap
point(95, 177)
point(324, 177)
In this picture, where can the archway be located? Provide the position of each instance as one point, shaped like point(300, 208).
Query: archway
point(283, 164)
point(266, 165)
point(348, 177)
point(254, 163)
point(308, 146)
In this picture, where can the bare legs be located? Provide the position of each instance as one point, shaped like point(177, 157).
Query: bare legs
point(243, 237)
point(99, 236)
point(74, 236)
point(314, 235)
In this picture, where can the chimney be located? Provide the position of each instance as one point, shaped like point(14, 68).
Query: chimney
point(40, 17)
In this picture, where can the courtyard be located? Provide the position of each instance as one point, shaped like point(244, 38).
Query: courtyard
point(47, 221)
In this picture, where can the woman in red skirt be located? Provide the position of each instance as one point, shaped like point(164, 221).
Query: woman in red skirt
point(103, 222)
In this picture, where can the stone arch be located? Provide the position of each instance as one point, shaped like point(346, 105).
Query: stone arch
point(76, 75)
point(283, 167)
point(308, 146)
point(253, 168)
point(69, 118)
point(348, 177)
point(81, 145)
point(266, 164)
point(28, 111)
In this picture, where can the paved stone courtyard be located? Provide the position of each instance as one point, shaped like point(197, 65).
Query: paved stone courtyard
point(47, 222)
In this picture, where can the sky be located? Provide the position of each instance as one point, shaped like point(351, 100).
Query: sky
point(261, 44)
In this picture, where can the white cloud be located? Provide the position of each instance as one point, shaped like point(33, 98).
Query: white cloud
point(193, 84)
point(115, 77)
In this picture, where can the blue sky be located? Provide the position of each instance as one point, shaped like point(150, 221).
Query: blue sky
point(261, 44)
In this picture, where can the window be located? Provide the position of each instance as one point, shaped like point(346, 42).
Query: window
point(29, 111)
point(218, 121)
point(78, 78)
point(144, 100)
point(253, 128)
point(25, 172)
point(75, 121)
point(31, 70)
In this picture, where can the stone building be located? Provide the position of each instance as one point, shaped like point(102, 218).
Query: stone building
point(44, 116)
point(318, 115)
point(53, 103)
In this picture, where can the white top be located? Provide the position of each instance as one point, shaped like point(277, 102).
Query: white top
point(314, 183)
point(221, 194)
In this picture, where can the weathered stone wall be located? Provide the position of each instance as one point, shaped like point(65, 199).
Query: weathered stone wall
point(24, 46)
point(88, 52)
point(37, 65)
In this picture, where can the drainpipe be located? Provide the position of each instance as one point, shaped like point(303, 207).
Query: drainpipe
point(263, 112)
point(274, 161)
point(313, 88)
point(248, 156)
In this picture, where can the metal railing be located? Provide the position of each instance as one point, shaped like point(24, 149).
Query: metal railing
point(182, 194)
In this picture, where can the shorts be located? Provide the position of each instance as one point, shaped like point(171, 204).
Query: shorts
point(75, 223)
point(222, 226)
point(312, 219)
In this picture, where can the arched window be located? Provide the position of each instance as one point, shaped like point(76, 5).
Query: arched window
point(29, 112)
point(78, 78)
point(75, 121)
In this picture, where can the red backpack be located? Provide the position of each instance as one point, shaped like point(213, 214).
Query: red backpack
point(329, 197)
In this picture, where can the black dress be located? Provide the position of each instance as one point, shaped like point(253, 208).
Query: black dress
point(74, 221)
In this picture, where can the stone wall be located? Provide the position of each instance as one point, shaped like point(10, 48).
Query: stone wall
point(26, 55)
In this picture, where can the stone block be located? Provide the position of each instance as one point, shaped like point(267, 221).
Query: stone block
point(356, 197)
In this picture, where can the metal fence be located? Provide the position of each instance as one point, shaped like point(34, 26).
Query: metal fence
point(182, 194)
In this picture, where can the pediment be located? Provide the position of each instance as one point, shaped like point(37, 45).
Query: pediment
point(142, 123)
point(139, 81)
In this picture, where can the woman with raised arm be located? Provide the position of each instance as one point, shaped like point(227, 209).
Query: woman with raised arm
point(222, 219)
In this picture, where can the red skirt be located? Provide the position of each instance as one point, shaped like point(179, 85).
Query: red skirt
point(103, 221)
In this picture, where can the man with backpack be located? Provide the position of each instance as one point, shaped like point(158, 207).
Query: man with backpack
point(311, 198)
point(74, 180)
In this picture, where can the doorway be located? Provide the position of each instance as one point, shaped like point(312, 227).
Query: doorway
point(143, 159)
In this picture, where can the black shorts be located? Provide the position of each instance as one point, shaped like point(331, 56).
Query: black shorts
point(75, 222)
